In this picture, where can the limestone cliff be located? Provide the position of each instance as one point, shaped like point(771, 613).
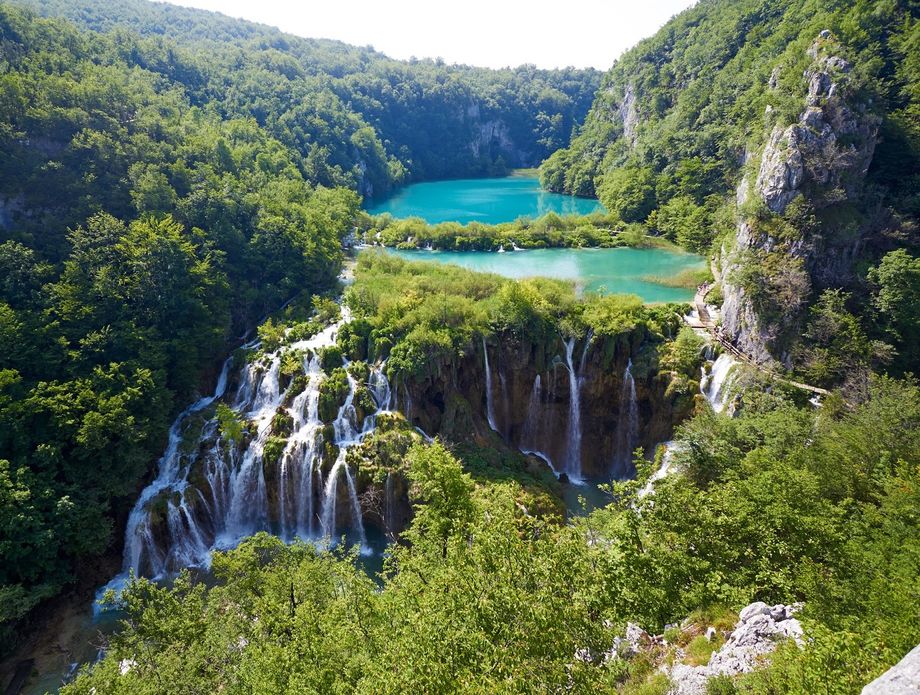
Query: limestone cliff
point(790, 235)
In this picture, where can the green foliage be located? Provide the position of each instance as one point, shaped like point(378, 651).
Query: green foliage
point(425, 317)
point(271, 335)
point(684, 354)
point(330, 358)
point(332, 394)
point(596, 230)
point(721, 685)
point(897, 300)
point(628, 193)
point(683, 221)
point(229, 423)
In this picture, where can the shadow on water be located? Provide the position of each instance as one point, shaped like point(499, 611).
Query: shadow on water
point(581, 500)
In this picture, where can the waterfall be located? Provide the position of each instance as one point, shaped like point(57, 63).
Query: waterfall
point(667, 463)
point(533, 426)
point(211, 493)
point(573, 441)
point(330, 497)
point(490, 404)
point(138, 535)
point(717, 384)
point(531, 433)
point(627, 433)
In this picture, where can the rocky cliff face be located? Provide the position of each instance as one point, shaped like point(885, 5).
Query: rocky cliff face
point(532, 404)
point(777, 259)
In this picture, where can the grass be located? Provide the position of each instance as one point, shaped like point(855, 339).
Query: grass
point(700, 649)
point(689, 278)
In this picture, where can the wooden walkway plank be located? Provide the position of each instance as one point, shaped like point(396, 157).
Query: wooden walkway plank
point(705, 322)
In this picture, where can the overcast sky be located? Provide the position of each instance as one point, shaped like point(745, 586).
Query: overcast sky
point(489, 33)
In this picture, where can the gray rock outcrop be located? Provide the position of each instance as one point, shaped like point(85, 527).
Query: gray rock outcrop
point(901, 679)
point(824, 156)
point(628, 114)
point(759, 630)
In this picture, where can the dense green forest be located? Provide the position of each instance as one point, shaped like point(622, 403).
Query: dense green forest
point(174, 183)
point(356, 117)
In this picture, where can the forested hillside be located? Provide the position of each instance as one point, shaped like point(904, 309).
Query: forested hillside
point(356, 117)
point(783, 138)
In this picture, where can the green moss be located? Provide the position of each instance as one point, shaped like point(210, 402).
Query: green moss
point(359, 371)
point(272, 451)
point(331, 358)
point(332, 394)
point(282, 423)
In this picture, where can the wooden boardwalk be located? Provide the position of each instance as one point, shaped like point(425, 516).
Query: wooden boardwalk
point(704, 321)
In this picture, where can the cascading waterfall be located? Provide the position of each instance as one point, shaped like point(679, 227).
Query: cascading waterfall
point(217, 492)
point(139, 534)
point(627, 434)
point(667, 464)
point(717, 384)
point(490, 403)
point(573, 441)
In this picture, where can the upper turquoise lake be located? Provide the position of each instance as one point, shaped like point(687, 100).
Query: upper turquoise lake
point(608, 271)
point(490, 201)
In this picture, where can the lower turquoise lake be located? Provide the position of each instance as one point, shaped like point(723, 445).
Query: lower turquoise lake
point(607, 271)
point(490, 201)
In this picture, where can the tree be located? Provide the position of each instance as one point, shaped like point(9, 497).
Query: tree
point(683, 221)
point(628, 192)
point(896, 296)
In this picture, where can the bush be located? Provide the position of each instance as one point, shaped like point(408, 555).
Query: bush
point(721, 685)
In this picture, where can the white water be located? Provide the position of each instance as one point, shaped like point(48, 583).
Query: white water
point(573, 441)
point(490, 403)
point(531, 435)
point(716, 385)
point(215, 493)
point(627, 434)
point(667, 465)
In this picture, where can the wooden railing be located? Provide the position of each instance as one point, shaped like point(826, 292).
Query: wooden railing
point(705, 321)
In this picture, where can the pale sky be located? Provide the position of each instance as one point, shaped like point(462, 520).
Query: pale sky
point(488, 33)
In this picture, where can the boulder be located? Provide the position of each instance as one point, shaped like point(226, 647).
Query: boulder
point(755, 609)
point(901, 679)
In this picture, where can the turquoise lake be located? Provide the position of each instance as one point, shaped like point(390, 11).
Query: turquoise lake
point(608, 271)
point(490, 201)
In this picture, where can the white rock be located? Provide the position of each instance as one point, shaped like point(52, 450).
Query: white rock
point(688, 680)
point(778, 612)
point(125, 666)
point(756, 608)
point(710, 633)
point(901, 679)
